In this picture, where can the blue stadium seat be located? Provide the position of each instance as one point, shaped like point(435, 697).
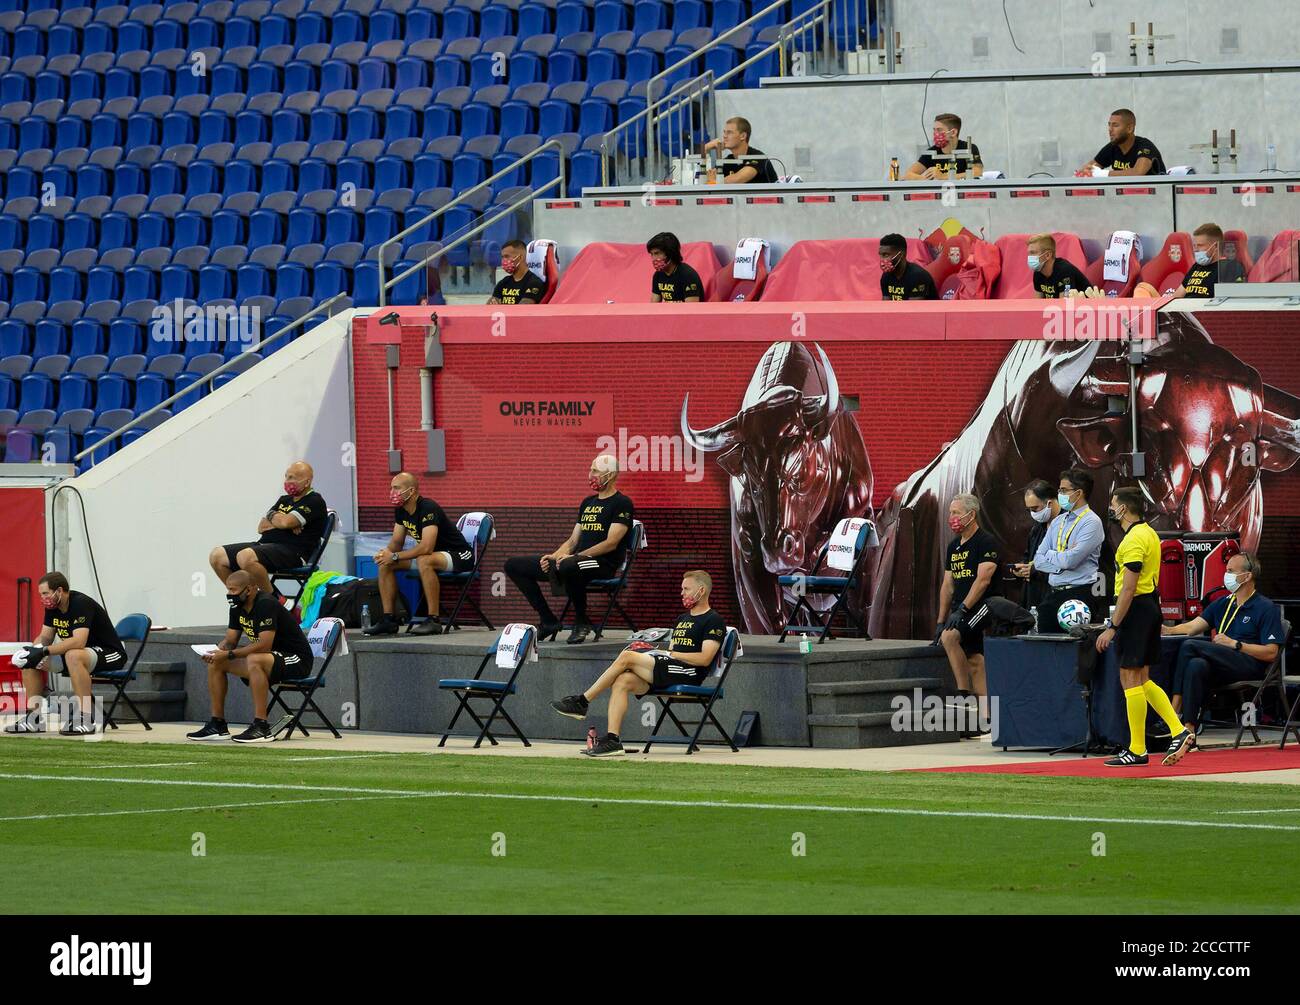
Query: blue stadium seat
point(76, 390)
point(571, 16)
point(535, 19)
point(112, 391)
point(151, 390)
point(36, 390)
point(342, 225)
point(125, 338)
point(328, 280)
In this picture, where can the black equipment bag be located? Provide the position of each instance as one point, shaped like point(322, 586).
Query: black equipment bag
point(345, 601)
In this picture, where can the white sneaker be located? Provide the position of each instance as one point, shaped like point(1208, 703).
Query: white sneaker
point(32, 722)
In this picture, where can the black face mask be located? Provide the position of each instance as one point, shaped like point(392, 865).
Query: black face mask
point(1114, 516)
point(235, 599)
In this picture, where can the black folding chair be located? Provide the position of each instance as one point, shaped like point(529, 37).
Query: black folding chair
point(464, 580)
point(817, 583)
point(302, 573)
point(470, 689)
point(325, 637)
point(703, 695)
point(132, 628)
point(1273, 678)
point(613, 586)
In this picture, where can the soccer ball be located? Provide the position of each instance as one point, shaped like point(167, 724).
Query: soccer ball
point(1073, 615)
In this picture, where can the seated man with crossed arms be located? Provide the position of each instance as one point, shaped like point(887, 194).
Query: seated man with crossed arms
point(264, 645)
point(520, 284)
point(695, 642)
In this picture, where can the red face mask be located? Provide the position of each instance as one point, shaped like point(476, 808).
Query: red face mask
point(292, 488)
point(509, 266)
point(595, 483)
point(689, 602)
point(661, 266)
point(888, 265)
point(940, 138)
point(396, 498)
point(957, 524)
point(50, 601)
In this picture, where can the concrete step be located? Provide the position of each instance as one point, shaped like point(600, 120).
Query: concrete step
point(868, 729)
point(883, 668)
point(866, 696)
point(157, 704)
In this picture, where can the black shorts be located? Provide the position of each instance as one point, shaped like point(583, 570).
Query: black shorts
point(1138, 637)
point(972, 631)
point(461, 561)
point(669, 671)
point(106, 660)
point(287, 667)
point(274, 557)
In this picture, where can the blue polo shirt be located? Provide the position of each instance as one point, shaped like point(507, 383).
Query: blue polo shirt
point(1256, 622)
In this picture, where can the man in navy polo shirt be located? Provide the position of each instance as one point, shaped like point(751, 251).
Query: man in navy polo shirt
point(1244, 637)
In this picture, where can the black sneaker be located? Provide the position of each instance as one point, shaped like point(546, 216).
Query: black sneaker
point(258, 732)
point(77, 727)
point(1127, 759)
point(1179, 747)
point(216, 729)
point(32, 722)
point(430, 626)
point(574, 706)
point(386, 625)
point(548, 630)
point(607, 746)
point(579, 633)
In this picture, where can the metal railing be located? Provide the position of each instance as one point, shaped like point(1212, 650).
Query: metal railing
point(813, 42)
point(385, 286)
point(210, 376)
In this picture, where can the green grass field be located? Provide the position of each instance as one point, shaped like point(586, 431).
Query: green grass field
point(287, 830)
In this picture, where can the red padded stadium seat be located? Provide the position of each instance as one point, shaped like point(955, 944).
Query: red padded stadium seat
point(620, 273)
point(1166, 270)
point(727, 288)
point(1280, 262)
point(550, 265)
point(834, 270)
point(1016, 281)
point(948, 258)
point(1236, 245)
point(1096, 274)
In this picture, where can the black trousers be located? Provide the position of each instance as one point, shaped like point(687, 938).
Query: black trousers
point(1056, 596)
point(1203, 665)
point(575, 572)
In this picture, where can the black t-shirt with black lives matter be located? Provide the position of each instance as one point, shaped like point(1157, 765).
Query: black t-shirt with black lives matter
point(1200, 279)
point(429, 514)
point(1054, 286)
point(766, 174)
point(511, 290)
point(268, 616)
point(915, 284)
point(684, 282)
point(85, 612)
point(964, 561)
point(967, 156)
point(595, 518)
point(311, 508)
point(693, 630)
point(1111, 157)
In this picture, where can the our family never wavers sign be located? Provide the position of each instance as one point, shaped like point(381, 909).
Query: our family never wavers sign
point(581, 413)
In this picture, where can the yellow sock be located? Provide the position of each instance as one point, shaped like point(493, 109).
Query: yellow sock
point(1136, 701)
point(1158, 700)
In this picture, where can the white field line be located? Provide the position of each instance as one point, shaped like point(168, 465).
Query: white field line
point(675, 803)
point(192, 809)
point(1292, 809)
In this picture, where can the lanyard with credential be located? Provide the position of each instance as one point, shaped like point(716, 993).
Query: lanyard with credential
point(1062, 546)
point(1229, 614)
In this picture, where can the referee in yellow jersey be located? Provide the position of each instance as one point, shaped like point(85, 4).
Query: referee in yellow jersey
point(1136, 625)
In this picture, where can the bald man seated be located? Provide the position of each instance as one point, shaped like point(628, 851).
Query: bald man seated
point(439, 547)
point(290, 533)
point(264, 646)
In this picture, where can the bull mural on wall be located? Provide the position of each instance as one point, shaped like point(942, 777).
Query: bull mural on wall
point(1207, 422)
point(797, 464)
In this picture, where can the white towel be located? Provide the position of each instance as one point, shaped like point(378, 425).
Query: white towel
point(645, 540)
point(748, 250)
point(468, 525)
point(318, 632)
point(1122, 243)
point(535, 256)
point(508, 655)
point(1100, 172)
point(843, 544)
point(740, 648)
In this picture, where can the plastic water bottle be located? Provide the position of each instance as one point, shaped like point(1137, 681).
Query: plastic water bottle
point(365, 616)
point(1068, 290)
point(1271, 158)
